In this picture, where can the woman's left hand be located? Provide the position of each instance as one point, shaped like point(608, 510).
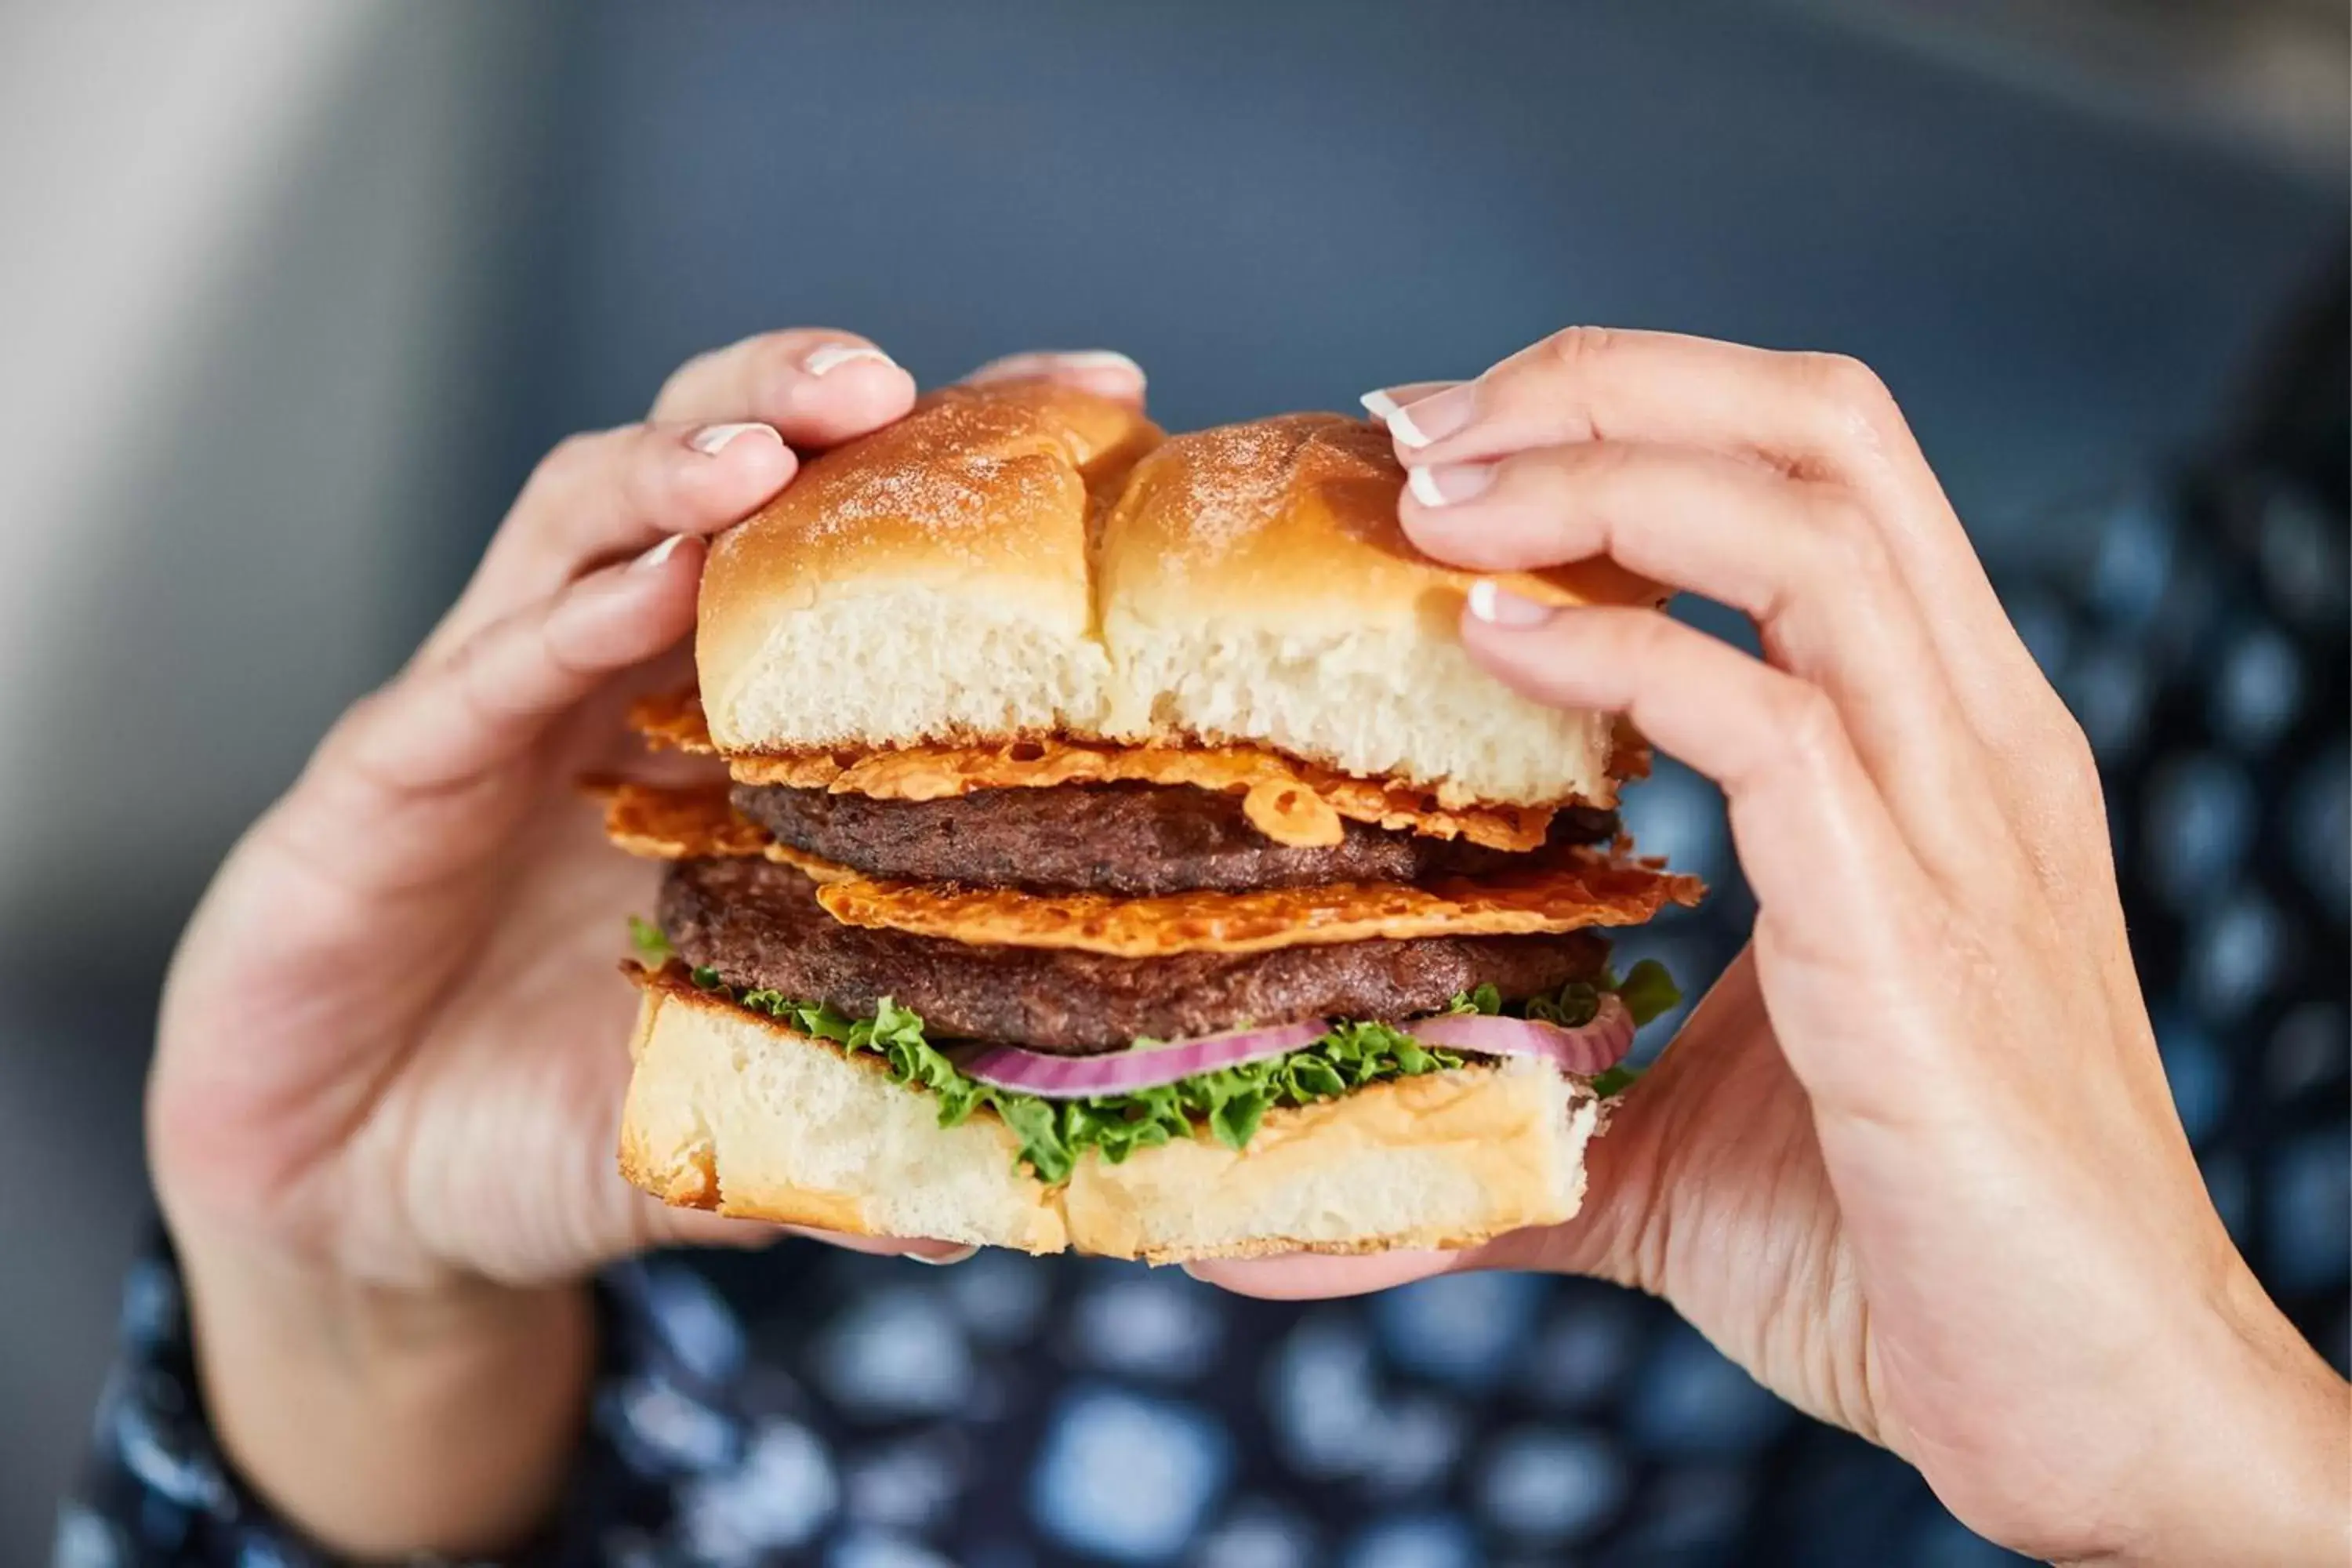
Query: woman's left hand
point(1912, 1162)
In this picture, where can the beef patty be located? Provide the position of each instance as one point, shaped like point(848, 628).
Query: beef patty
point(1130, 840)
point(760, 926)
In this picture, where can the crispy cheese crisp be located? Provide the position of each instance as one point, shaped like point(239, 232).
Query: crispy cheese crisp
point(1629, 751)
point(696, 822)
point(1591, 891)
point(673, 721)
point(1291, 803)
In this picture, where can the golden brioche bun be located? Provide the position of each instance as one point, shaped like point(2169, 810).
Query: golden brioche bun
point(1026, 559)
point(732, 1111)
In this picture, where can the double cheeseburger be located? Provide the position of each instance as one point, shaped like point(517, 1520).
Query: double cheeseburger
point(1120, 852)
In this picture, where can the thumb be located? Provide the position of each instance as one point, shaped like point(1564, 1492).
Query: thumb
point(697, 1228)
point(1629, 1169)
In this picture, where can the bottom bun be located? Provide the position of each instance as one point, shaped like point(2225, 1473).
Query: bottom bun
point(732, 1111)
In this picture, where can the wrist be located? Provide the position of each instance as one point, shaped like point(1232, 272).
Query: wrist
point(385, 1420)
point(2293, 1474)
point(2265, 1474)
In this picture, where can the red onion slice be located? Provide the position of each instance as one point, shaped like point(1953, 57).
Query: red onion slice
point(1584, 1049)
point(1123, 1072)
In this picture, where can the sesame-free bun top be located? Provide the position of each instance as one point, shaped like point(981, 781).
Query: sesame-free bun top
point(1254, 585)
point(925, 582)
point(1000, 563)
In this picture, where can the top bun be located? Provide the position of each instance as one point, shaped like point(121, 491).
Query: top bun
point(1008, 561)
point(926, 582)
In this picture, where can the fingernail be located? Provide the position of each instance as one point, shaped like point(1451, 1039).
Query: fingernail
point(654, 559)
point(1498, 606)
point(1435, 417)
point(1096, 358)
point(1380, 405)
point(1443, 484)
point(713, 439)
point(833, 356)
point(1056, 362)
point(941, 1259)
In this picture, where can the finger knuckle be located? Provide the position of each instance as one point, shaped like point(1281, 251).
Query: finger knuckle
point(1860, 405)
point(1604, 488)
point(1642, 639)
point(1578, 348)
point(345, 754)
point(1601, 465)
point(1812, 731)
point(693, 370)
point(351, 726)
point(1852, 547)
point(2066, 748)
point(567, 458)
point(2038, 736)
point(1847, 382)
point(766, 358)
point(1645, 639)
point(1557, 484)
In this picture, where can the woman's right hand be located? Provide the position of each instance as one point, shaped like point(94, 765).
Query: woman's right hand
point(391, 1055)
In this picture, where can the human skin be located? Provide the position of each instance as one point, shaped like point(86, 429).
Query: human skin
point(393, 1047)
point(1912, 1161)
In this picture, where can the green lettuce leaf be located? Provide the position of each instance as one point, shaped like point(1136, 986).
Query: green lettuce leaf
point(1615, 1081)
point(1231, 1102)
point(1485, 999)
point(652, 943)
point(1648, 991)
point(1571, 1006)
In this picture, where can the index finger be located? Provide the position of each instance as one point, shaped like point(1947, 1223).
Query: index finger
point(817, 387)
point(1812, 415)
point(1310, 1277)
point(1815, 416)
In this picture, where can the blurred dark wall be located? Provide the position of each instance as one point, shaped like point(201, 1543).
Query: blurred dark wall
point(1277, 206)
point(495, 232)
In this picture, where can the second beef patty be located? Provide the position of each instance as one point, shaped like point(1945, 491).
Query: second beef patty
point(759, 925)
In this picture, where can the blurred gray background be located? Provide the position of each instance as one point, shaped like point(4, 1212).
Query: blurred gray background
point(292, 294)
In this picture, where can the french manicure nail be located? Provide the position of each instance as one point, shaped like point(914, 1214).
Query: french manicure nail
point(653, 560)
point(1435, 417)
point(1057, 361)
point(1379, 405)
point(941, 1259)
point(713, 439)
point(833, 356)
point(1095, 359)
point(1498, 606)
point(1443, 484)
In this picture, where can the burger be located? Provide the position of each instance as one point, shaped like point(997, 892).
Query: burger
point(1117, 851)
